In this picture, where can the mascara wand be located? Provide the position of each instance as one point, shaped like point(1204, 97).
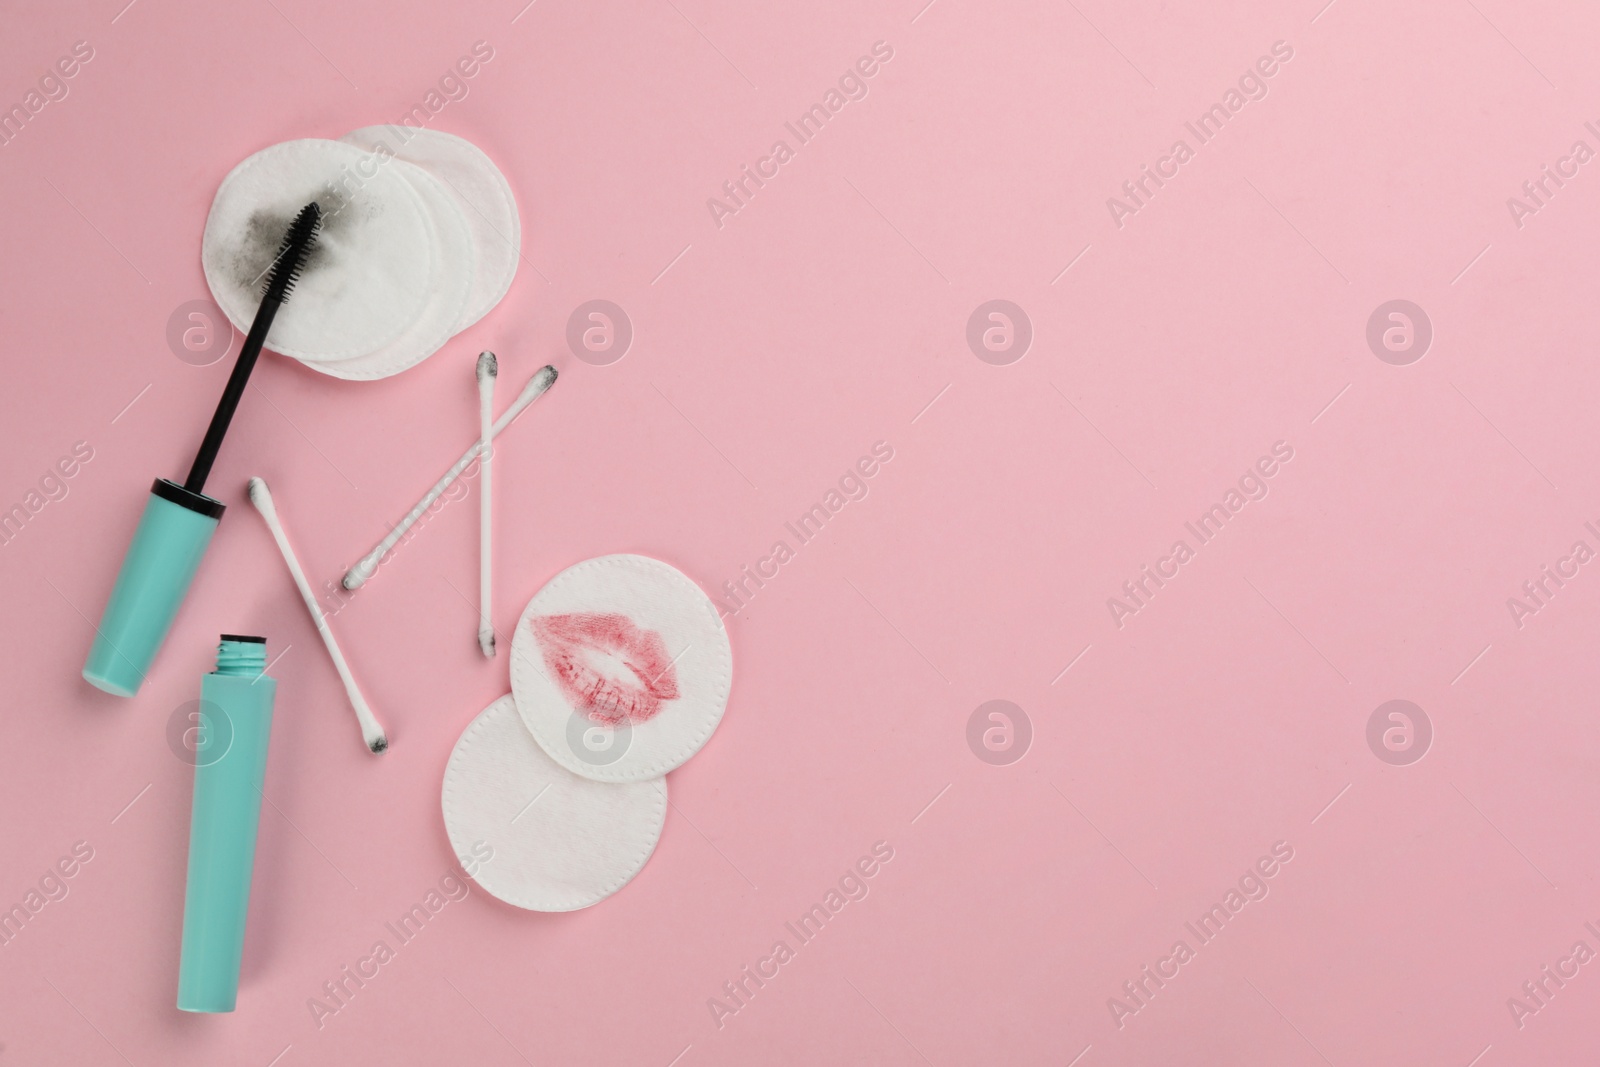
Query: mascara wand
point(179, 520)
point(284, 272)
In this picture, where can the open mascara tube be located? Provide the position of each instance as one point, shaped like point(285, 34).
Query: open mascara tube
point(178, 520)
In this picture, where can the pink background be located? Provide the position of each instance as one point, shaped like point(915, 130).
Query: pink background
point(1230, 713)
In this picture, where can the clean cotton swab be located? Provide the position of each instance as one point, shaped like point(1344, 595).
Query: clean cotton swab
point(542, 380)
point(488, 371)
point(371, 732)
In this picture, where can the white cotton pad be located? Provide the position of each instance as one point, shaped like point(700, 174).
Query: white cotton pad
point(555, 841)
point(369, 273)
point(481, 190)
point(447, 296)
point(621, 668)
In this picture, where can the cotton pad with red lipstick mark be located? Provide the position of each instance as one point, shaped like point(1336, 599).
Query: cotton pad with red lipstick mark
point(621, 668)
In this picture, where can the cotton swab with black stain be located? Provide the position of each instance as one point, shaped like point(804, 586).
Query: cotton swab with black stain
point(371, 732)
point(365, 567)
point(291, 259)
point(488, 370)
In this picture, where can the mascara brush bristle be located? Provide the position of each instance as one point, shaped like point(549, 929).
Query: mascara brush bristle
point(292, 253)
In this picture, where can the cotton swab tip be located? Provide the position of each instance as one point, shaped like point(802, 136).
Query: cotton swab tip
point(488, 366)
point(541, 381)
point(379, 744)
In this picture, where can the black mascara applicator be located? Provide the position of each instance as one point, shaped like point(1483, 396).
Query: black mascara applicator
point(179, 520)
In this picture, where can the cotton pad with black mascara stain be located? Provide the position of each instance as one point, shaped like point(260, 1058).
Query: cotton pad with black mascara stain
point(375, 263)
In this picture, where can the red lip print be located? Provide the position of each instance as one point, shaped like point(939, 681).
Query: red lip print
point(610, 669)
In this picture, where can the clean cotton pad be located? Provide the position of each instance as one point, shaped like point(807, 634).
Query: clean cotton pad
point(621, 668)
point(557, 842)
point(483, 193)
point(369, 274)
point(447, 296)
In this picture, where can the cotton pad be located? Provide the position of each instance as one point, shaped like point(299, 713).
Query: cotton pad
point(484, 196)
point(370, 272)
point(621, 668)
point(454, 264)
point(557, 842)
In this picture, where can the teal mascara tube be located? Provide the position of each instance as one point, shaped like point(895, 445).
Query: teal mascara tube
point(230, 767)
point(179, 520)
point(156, 573)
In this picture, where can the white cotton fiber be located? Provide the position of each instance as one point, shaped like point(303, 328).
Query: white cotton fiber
point(454, 264)
point(555, 841)
point(482, 192)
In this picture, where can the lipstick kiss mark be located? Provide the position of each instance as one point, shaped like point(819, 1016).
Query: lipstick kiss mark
point(609, 668)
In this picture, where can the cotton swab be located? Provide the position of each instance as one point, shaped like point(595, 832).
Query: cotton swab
point(488, 371)
point(542, 380)
point(371, 732)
